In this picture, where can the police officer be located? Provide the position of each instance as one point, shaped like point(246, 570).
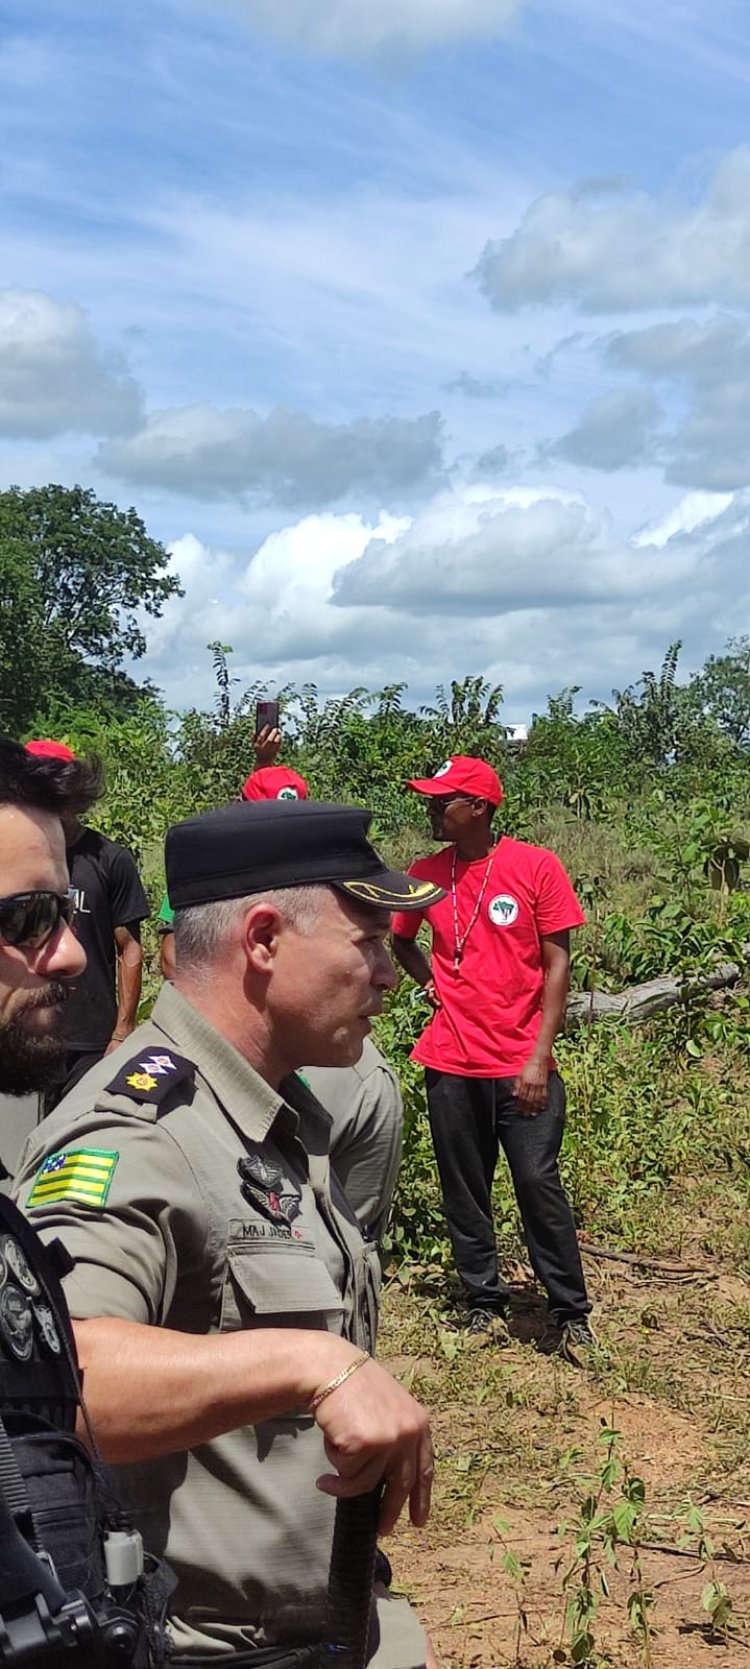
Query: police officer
point(188, 1175)
point(70, 1584)
point(364, 1100)
point(365, 1108)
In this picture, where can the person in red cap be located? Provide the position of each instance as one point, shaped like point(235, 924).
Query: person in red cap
point(498, 983)
point(275, 782)
point(364, 1100)
point(267, 781)
point(110, 906)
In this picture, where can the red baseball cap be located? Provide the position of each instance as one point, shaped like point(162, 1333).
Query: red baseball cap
point(462, 775)
point(49, 750)
point(275, 782)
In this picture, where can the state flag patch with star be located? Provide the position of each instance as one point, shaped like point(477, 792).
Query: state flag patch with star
point(84, 1174)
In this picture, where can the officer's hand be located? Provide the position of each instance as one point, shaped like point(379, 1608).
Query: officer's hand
point(375, 1430)
point(530, 1088)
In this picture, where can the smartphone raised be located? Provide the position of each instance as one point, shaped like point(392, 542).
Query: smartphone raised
point(266, 715)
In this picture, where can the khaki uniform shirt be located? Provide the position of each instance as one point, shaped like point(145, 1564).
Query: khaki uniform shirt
point(366, 1110)
point(166, 1234)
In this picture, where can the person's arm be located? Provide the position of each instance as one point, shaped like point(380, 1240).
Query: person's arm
point(530, 1087)
point(129, 977)
point(129, 906)
point(415, 963)
point(153, 1391)
point(266, 747)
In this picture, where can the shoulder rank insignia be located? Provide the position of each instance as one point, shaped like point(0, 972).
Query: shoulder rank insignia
point(150, 1077)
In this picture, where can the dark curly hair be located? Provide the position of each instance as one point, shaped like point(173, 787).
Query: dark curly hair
point(56, 785)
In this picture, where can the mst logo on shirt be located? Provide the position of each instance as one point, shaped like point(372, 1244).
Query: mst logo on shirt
point(503, 910)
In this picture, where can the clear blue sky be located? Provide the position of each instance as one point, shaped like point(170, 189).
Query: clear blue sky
point(417, 329)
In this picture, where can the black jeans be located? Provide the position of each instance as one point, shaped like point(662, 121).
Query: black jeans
point(471, 1119)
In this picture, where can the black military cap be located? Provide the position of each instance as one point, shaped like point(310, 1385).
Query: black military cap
point(256, 846)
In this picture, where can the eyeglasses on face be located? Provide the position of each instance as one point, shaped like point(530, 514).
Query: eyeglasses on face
point(28, 919)
point(441, 802)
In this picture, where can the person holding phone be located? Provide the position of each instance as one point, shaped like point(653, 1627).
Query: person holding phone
point(363, 1100)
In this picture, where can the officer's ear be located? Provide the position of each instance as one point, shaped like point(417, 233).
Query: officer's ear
point(261, 930)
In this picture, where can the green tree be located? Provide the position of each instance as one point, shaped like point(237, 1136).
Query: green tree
point(581, 763)
point(722, 690)
point(467, 720)
point(651, 714)
point(75, 574)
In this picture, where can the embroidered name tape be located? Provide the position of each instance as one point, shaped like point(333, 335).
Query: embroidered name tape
point(84, 1174)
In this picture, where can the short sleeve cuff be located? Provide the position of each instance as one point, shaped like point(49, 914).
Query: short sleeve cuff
point(92, 1289)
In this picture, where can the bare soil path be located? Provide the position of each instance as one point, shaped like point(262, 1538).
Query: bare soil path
point(521, 1442)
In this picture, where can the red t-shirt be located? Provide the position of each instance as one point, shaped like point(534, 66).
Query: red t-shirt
point(491, 1005)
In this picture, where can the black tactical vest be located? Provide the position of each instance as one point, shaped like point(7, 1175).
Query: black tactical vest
point(74, 1585)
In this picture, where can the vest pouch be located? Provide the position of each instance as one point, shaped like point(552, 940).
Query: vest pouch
point(69, 1501)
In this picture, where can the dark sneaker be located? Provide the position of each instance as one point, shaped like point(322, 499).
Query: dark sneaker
point(573, 1340)
point(489, 1326)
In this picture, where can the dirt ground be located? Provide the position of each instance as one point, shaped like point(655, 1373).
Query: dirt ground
point(521, 1444)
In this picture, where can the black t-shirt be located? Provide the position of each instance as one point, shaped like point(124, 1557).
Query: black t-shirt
point(108, 895)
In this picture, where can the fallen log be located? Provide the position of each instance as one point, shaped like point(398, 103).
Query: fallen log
point(640, 1002)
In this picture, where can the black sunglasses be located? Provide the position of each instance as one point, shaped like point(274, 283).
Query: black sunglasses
point(441, 802)
point(30, 918)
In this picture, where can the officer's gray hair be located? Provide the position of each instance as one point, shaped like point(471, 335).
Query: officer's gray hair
point(201, 932)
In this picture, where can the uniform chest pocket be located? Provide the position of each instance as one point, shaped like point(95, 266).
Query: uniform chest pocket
point(273, 1284)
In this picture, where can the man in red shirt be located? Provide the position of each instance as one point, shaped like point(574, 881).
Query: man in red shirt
point(498, 982)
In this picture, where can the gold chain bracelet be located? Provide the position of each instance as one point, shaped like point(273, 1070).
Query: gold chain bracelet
point(333, 1384)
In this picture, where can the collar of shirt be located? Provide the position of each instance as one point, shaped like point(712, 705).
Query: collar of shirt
point(246, 1098)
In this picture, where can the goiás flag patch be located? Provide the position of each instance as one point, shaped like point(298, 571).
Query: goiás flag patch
point(84, 1174)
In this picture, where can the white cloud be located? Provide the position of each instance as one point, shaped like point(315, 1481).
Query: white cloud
point(288, 456)
point(360, 27)
point(273, 608)
point(709, 363)
point(616, 430)
point(692, 511)
point(289, 583)
point(490, 464)
point(699, 352)
point(532, 587)
point(484, 549)
point(53, 377)
point(619, 251)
